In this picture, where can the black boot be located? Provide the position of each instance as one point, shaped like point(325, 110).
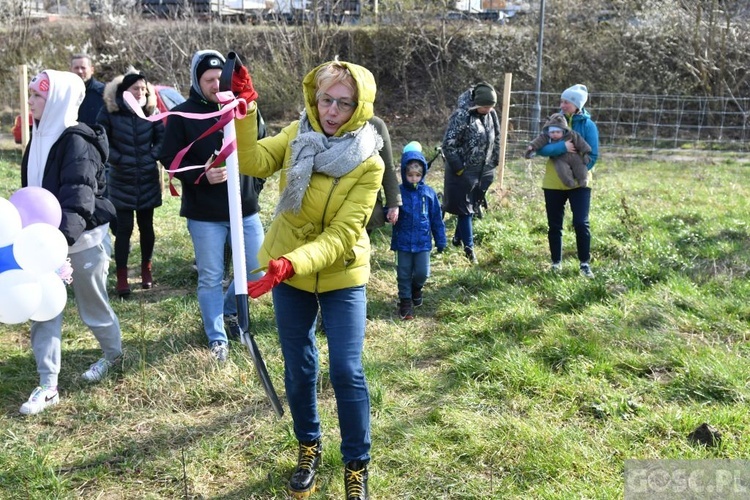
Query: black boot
point(355, 480)
point(469, 251)
point(302, 482)
point(416, 295)
point(405, 309)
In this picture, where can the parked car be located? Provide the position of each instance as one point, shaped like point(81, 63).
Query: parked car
point(166, 99)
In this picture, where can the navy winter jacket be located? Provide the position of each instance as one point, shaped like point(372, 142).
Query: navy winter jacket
point(420, 217)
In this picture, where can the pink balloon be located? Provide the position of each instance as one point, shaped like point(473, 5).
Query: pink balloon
point(36, 204)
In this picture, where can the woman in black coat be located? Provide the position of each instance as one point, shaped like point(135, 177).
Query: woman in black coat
point(472, 149)
point(134, 176)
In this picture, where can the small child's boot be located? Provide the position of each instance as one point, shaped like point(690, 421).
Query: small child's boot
point(405, 309)
point(416, 295)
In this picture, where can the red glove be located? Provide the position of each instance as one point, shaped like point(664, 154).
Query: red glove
point(278, 270)
point(242, 85)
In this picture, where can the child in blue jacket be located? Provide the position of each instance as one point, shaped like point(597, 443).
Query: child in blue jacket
point(419, 221)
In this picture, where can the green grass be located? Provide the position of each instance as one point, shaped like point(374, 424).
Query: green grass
point(510, 383)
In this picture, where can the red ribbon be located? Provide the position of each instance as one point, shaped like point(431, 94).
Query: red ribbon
point(231, 108)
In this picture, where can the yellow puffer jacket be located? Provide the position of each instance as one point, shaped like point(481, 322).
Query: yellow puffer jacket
point(326, 241)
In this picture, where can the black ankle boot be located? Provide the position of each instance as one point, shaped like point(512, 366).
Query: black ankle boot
point(355, 480)
point(416, 295)
point(302, 482)
point(405, 309)
point(469, 251)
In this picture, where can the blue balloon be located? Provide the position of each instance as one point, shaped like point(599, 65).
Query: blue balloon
point(7, 261)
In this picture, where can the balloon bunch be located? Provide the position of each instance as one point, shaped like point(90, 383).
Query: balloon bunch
point(33, 257)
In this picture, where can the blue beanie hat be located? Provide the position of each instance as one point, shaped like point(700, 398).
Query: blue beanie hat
point(412, 146)
point(577, 94)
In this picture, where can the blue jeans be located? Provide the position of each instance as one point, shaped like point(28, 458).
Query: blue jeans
point(580, 203)
point(208, 243)
point(412, 271)
point(343, 315)
point(465, 230)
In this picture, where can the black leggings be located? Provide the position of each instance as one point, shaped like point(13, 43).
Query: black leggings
point(145, 220)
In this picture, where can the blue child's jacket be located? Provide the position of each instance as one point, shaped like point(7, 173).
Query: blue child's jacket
point(420, 218)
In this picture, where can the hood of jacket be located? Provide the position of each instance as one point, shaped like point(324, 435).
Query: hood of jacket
point(408, 157)
point(96, 136)
point(197, 58)
point(366, 90)
point(556, 120)
point(114, 102)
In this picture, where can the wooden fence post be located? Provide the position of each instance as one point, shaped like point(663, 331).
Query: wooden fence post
point(504, 130)
point(23, 87)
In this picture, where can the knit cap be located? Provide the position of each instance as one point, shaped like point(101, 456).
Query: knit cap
point(208, 62)
point(40, 84)
point(484, 95)
point(412, 146)
point(128, 80)
point(577, 94)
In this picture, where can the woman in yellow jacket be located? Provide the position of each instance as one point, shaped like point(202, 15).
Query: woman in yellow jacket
point(317, 253)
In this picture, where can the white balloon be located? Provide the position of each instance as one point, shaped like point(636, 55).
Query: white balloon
point(54, 297)
point(10, 222)
point(20, 296)
point(40, 248)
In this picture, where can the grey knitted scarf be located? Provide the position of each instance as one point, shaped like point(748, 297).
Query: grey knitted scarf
point(333, 156)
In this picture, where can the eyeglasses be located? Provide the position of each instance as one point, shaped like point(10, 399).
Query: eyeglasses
point(344, 105)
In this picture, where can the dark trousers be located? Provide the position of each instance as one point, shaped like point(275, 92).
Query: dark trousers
point(580, 203)
point(124, 231)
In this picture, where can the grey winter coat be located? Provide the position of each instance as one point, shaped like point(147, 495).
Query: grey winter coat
point(472, 150)
point(134, 148)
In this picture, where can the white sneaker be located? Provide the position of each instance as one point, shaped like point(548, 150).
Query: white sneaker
point(219, 349)
point(586, 270)
point(42, 397)
point(98, 370)
point(556, 267)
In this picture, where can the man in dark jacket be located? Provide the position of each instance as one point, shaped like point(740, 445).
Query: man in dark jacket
point(81, 65)
point(205, 199)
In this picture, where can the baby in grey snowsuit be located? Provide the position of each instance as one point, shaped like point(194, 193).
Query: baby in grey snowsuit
point(570, 167)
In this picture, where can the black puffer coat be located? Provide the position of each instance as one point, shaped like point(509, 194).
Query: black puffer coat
point(135, 146)
point(472, 150)
point(74, 173)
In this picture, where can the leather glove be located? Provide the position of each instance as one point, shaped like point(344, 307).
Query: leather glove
point(242, 85)
point(278, 270)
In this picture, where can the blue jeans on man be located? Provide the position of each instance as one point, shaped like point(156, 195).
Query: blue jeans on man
point(344, 315)
point(208, 242)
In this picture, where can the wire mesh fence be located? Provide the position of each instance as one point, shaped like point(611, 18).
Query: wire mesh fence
point(651, 123)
